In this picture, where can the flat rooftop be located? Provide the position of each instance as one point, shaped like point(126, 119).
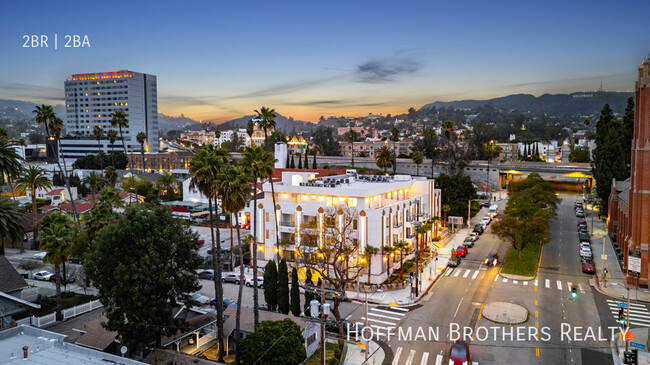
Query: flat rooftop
point(48, 348)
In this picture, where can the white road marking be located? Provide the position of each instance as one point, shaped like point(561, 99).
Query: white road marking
point(475, 274)
point(466, 274)
point(457, 308)
point(535, 282)
point(496, 278)
point(439, 359)
point(378, 321)
point(399, 309)
point(505, 280)
point(515, 282)
point(457, 272)
point(397, 354)
point(568, 285)
point(548, 283)
point(582, 290)
point(425, 357)
point(388, 312)
point(409, 360)
point(448, 272)
point(559, 285)
point(380, 316)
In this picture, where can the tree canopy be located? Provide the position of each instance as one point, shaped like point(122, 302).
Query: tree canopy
point(274, 342)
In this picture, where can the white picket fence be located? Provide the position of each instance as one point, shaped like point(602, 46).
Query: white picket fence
point(81, 309)
point(44, 320)
point(25, 321)
point(206, 338)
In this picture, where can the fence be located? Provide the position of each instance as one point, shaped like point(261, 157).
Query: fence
point(43, 321)
point(81, 309)
point(206, 339)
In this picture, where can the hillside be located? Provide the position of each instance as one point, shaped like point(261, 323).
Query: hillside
point(282, 123)
point(563, 105)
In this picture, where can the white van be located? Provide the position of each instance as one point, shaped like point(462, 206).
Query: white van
point(493, 211)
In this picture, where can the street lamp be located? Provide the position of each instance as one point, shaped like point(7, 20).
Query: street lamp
point(489, 155)
point(414, 220)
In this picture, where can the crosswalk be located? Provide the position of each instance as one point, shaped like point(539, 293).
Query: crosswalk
point(639, 315)
point(384, 316)
point(537, 283)
point(410, 357)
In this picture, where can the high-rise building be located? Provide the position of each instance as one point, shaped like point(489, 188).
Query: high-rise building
point(91, 99)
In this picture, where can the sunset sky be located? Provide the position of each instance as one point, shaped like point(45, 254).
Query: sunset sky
point(218, 60)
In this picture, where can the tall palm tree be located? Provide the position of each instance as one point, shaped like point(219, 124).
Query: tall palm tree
point(353, 136)
point(417, 158)
point(53, 126)
point(233, 184)
point(448, 128)
point(11, 222)
point(33, 179)
point(203, 170)
point(98, 133)
point(142, 137)
point(394, 136)
point(259, 164)
point(10, 163)
point(401, 246)
point(119, 121)
point(110, 197)
point(166, 184)
point(266, 121)
point(112, 137)
point(384, 158)
point(56, 242)
point(95, 180)
point(370, 251)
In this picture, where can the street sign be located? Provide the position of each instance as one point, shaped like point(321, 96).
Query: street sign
point(637, 345)
point(629, 336)
point(603, 257)
point(623, 305)
point(634, 264)
point(455, 220)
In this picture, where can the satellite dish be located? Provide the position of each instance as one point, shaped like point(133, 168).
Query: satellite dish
point(123, 350)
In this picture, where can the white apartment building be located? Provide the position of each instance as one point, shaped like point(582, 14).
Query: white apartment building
point(227, 135)
point(198, 137)
point(383, 210)
point(91, 99)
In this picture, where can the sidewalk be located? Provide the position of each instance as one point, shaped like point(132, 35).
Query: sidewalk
point(355, 353)
point(615, 285)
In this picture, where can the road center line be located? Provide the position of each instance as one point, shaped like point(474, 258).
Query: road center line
point(457, 308)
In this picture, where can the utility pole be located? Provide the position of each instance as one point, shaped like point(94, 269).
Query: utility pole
point(469, 213)
point(367, 349)
point(627, 320)
point(322, 322)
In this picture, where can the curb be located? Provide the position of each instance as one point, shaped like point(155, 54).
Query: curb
point(516, 277)
point(601, 291)
point(412, 303)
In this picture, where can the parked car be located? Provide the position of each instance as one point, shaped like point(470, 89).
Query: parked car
point(74, 260)
point(492, 259)
point(585, 252)
point(468, 242)
point(459, 353)
point(260, 282)
point(479, 229)
point(580, 214)
point(198, 298)
point(207, 274)
point(584, 237)
point(473, 236)
point(233, 278)
point(39, 255)
point(461, 251)
point(486, 220)
point(582, 222)
point(43, 275)
point(585, 245)
point(227, 302)
point(588, 268)
point(454, 263)
point(68, 279)
point(223, 250)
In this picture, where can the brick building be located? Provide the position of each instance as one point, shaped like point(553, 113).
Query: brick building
point(161, 162)
point(629, 209)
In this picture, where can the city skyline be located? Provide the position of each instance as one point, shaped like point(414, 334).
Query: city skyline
point(221, 61)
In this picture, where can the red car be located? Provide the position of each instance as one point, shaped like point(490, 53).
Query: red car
point(459, 353)
point(461, 251)
point(588, 268)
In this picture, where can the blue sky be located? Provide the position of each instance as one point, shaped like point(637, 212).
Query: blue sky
point(217, 60)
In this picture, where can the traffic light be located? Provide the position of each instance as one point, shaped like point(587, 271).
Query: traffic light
point(621, 314)
point(574, 291)
point(631, 357)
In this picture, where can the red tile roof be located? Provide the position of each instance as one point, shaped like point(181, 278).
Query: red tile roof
point(55, 192)
point(81, 207)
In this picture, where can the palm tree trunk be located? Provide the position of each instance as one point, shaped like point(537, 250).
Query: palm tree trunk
point(67, 181)
point(217, 281)
point(34, 223)
point(352, 151)
point(92, 196)
point(241, 291)
point(99, 154)
point(126, 154)
point(369, 268)
point(256, 312)
point(401, 265)
point(57, 273)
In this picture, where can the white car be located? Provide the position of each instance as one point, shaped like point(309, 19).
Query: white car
point(585, 245)
point(486, 220)
point(43, 275)
point(39, 255)
point(473, 236)
point(260, 282)
point(585, 252)
point(199, 298)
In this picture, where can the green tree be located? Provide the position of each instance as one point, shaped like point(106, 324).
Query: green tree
point(417, 158)
point(95, 181)
point(314, 165)
point(11, 223)
point(271, 285)
point(401, 246)
point(325, 141)
point(33, 179)
point(384, 158)
point(142, 186)
point(352, 136)
point(149, 244)
point(203, 170)
point(259, 164)
point(142, 138)
point(300, 161)
point(167, 186)
point(110, 174)
point(295, 293)
point(275, 137)
point(608, 157)
point(55, 240)
point(627, 133)
point(283, 288)
point(119, 120)
point(456, 191)
point(579, 155)
point(369, 252)
point(388, 250)
point(292, 165)
point(112, 137)
point(10, 163)
point(306, 163)
point(233, 185)
point(274, 342)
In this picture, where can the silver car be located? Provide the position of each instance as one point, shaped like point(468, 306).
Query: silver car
point(233, 278)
